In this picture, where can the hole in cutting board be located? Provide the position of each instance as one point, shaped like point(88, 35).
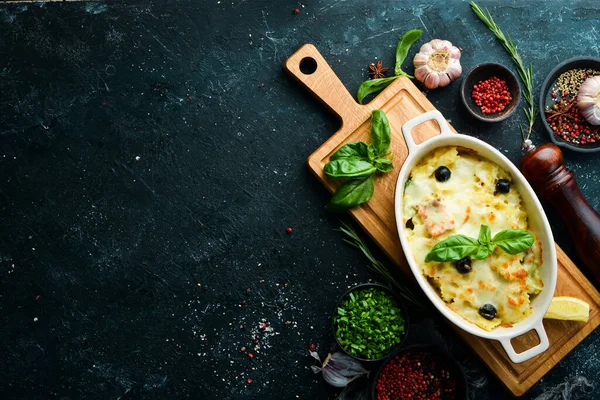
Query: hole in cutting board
point(308, 65)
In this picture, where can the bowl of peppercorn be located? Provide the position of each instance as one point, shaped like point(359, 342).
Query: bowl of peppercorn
point(559, 111)
point(420, 372)
point(490, 92)
point(370, 322)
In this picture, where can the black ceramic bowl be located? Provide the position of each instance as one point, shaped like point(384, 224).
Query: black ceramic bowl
point(481, 72)
point(454, 366)
point(398, 302)
point(546, 100)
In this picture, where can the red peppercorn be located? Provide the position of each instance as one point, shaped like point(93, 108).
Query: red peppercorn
point(415, 375)
point(491, 95)
point(249, 381)
point(312, 347)
point(250, 355)
point(296, 11)
point(288, 230)
point(243, 349)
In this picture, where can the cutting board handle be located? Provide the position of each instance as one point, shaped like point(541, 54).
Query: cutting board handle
point(309, 67)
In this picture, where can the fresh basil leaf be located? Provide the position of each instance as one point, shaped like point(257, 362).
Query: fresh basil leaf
point(402, 48)
point(352, 193)
point(384, 164)
point(485, 234)
point(349, 168)
point(381, 135)
point(483, 251)
point(351, 150)
point(514, 241)
point(407, 183)
point(452, 249)
point(371, 154)
point(373, 86)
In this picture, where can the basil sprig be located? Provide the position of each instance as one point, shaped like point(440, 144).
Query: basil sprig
point(373, 86)
point(454, 248)
point(376, 85)
point(359, 162)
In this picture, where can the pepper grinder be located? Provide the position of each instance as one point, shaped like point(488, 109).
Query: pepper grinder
point(544, 168)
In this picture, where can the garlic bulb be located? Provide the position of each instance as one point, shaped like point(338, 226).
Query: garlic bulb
point(437, 64)
point(588, 100)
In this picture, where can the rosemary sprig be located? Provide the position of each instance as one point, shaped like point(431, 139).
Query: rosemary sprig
point(526, 74)
point(377, 266)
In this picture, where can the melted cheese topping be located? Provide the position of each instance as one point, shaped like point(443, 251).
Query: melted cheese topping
point(461, 205)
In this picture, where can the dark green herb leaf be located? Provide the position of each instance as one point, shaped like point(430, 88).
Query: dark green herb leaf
point(373, 86)
point(485, 234)
point(351, 150)
point(371, 153)
point(384, 164)
point(349, 168)
point(402, 49)
point(407, 183)
point(352, 193)
point(452, 249)
point(483, 251)
point(513, 241)
point(381, 135)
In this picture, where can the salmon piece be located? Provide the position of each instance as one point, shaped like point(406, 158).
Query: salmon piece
point(436, 218)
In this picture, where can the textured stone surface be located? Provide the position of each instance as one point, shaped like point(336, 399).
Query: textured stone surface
point(152, 157)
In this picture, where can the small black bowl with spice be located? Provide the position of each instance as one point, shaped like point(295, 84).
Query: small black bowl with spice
point(490, 92)
point(370, 322)
point(424, 372)
point(559, 111)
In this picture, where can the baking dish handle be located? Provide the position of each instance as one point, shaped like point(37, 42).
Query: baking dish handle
point(530, 353)
point(418, 120)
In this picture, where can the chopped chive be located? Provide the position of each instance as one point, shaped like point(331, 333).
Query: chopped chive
point(370, 323)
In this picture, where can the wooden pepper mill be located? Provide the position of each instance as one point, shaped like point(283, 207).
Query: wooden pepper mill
point(555, 184)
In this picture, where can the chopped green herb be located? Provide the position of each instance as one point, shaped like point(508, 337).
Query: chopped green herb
point(370, 323)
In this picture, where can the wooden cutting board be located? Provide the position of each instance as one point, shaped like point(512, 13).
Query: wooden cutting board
point(402, 101)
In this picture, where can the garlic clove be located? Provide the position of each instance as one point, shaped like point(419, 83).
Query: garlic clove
point(427, 49)
point(588, 100)
point(437, 44)
point(454, 53)
point(446, 44)
point(444, 80)
point(592, 115)
point(454, 70)
point(421, 73)
point(432, 81)
point(420, 59)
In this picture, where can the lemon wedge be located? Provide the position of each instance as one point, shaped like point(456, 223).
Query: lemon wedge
point(569, 309)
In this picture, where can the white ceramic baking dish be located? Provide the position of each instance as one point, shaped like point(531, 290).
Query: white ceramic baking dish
point(538, 223)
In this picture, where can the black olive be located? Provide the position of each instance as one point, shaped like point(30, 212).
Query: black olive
point(503, 186)
point(409, 224)
point(488, 311)
point(464, 265)
point(442, 174)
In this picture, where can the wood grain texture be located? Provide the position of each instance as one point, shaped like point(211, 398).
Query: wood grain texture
point(402, 101)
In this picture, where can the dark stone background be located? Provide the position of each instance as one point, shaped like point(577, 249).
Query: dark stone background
point(152, 156)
